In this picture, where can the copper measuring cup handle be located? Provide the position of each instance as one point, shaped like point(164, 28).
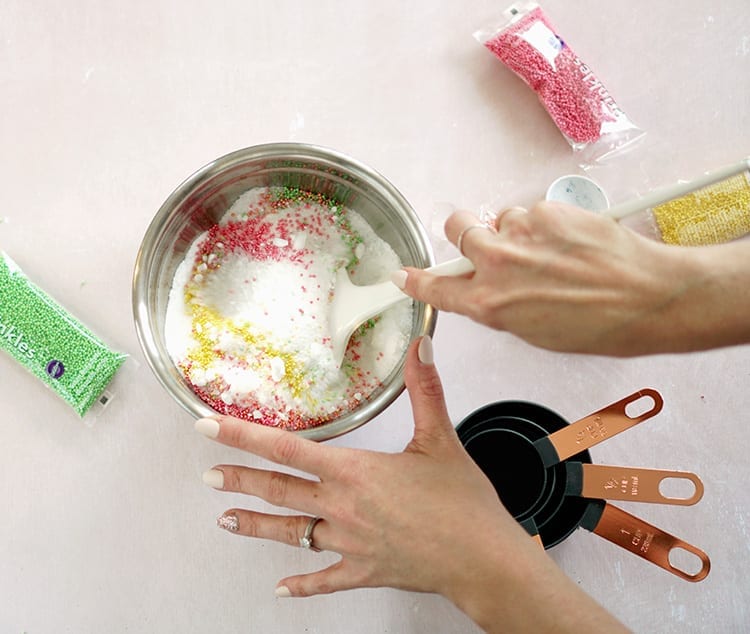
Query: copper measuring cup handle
point(530, 526)
point(595, 428)
point(627, 483)
point(641, 538)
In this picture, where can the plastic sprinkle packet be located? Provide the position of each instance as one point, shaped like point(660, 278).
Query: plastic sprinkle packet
point(49, 342)
point(579, 104)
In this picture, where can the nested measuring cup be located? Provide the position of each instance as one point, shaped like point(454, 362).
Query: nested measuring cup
point(543, 473)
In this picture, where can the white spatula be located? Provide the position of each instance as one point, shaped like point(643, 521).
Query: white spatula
point(353, 305)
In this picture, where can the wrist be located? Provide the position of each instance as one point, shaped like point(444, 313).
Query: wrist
point(712, 306)
point(517, 587)
point(682, 299)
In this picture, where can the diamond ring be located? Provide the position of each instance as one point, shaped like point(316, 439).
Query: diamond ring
point(306, 541)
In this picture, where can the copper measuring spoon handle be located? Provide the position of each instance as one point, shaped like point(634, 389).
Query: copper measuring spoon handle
point(595, 428)
point(641, 538)
point(627, 483)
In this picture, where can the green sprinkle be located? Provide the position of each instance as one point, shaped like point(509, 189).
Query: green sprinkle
point(50, 343)
point(368, 325)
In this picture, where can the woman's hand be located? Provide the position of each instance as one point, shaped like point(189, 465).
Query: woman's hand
point(570, 280)
point(398, 520)
point(426, 519)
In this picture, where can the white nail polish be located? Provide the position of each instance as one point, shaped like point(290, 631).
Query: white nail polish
point(399, 278)
point(208, 427)
point(283, 592)
point(214, 478)
point(424, 351)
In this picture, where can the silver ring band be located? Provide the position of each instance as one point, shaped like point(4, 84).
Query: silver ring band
point(464, 231)
point(306, 541)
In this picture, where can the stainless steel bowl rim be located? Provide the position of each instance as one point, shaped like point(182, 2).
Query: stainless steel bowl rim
point(164, 369)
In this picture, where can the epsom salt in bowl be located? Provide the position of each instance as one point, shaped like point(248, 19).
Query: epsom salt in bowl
point(233, 282)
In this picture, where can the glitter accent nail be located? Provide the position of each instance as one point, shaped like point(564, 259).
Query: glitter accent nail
point(228, 522)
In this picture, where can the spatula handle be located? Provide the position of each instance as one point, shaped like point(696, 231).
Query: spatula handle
point(459, 266)
point(670, 192)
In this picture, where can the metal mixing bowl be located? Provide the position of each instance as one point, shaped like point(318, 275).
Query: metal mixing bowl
point(202, 200)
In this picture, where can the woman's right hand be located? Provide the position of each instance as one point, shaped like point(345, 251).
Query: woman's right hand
point(566, 279)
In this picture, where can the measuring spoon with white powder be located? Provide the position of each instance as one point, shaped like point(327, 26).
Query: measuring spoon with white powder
point(353, 305)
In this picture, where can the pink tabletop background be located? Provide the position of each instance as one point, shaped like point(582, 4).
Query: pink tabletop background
point(106, 107)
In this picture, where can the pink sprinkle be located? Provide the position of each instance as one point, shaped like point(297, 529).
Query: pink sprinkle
point(577, 102)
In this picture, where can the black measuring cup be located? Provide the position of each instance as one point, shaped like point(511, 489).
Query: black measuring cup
point(521, 447)
point(528, 452)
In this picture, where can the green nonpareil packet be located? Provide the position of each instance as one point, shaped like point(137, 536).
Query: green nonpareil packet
point(49, 342)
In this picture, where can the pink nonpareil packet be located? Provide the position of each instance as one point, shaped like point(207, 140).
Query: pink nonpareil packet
point(579, 104)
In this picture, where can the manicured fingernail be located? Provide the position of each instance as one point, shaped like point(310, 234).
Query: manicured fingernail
point(283, 592)
point(424, 351)
point(399, 278)
point(214, 478)
point(208, 427)
point(228, 522)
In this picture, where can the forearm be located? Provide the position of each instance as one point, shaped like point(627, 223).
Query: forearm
point(711, 305)
point(726, 309)
point(525, 591)
point(572, 281)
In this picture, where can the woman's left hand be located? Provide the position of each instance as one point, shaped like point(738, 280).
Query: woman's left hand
point(425, 519)
point(402, 520)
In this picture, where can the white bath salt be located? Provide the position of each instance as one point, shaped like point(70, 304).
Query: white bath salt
point(299, 240)
point(248, 315)
point(277, 369)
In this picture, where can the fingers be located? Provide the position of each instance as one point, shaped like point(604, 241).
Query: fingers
point(339, 576)
point(460, 229)
point(461, 224)
point(425, 390)
point(442, 292)
point(508, 219)
point(279, 489)
point(276, 445)
point(473, 238)
point(288, 530)
point(285, 529)
point(468, 233)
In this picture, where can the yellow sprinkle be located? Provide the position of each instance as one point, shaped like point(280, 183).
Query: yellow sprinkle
point(712, 215)
point(207, 322)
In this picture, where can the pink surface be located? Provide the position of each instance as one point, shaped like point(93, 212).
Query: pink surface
point(106, 108)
